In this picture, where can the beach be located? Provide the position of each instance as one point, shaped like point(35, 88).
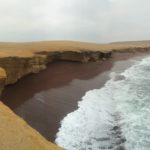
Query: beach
point(44, 99)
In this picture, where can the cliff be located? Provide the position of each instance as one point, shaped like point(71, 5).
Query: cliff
point(20, 59)
point(15, 134)
point(3, 77)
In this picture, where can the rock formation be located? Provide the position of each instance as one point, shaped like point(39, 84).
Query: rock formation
point(3, 77)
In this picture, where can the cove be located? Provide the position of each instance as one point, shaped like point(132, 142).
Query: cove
point(44, 99)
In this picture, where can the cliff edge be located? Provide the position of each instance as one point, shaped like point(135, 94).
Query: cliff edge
point(15, 134)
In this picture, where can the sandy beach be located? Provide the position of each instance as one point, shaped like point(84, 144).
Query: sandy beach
point(45, 98)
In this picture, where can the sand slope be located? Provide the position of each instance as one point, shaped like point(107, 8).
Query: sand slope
point(15, 134)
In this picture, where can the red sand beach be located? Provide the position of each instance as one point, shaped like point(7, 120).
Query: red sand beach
point(44, 99)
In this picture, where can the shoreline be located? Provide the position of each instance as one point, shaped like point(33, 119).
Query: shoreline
point(87, 76)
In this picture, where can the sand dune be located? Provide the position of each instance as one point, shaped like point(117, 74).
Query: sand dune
point(28, 48)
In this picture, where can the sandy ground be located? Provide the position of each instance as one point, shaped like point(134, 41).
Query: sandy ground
point(29, 48)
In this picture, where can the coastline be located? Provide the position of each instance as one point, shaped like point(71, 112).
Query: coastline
point(54, 97)
point(79, 127)
point(16, 63)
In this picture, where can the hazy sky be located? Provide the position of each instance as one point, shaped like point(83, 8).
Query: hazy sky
point(84, 20)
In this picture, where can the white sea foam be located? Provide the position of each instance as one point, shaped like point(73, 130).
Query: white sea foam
point(121, 109)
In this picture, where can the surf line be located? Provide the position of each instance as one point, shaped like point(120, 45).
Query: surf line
point(94, 125)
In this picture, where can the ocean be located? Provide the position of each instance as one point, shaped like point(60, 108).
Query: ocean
point(115, 116)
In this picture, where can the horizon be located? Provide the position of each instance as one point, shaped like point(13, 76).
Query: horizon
point(34, 41)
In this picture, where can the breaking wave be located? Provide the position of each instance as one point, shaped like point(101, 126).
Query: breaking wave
point(116, 117)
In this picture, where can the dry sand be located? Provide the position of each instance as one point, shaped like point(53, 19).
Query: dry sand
point(29, 48)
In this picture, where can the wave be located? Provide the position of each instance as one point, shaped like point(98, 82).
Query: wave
point(117, 116)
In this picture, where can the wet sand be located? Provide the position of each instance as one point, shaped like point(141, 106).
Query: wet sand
point(44, 99)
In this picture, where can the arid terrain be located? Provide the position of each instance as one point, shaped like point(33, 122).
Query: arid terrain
point(28, 48)
point(20, 59)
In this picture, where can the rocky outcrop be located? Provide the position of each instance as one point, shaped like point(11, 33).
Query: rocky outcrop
point(17, 67)
point(3, 77)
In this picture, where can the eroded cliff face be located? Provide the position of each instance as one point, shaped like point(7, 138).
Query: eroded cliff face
point(17, 67)
point(3, 77)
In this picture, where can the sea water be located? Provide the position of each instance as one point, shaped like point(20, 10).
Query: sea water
point(116, 116)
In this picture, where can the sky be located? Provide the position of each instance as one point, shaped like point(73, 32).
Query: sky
point(100, 21)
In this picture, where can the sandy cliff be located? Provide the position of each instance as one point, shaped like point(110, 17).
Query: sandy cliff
point(3, 77)
point(15, 134)
point(24, 58)
point(20, 59)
